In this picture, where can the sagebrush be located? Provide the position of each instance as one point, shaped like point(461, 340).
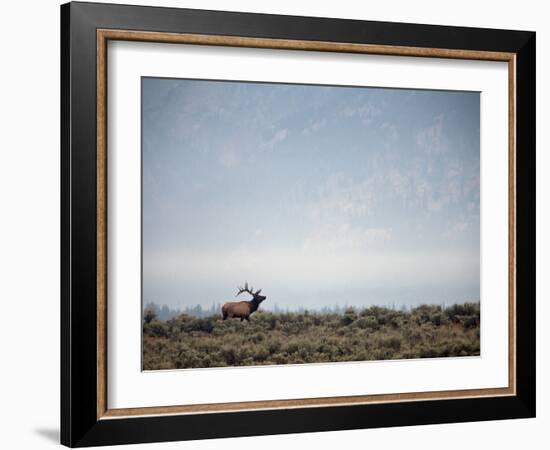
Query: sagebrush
point(374, 333)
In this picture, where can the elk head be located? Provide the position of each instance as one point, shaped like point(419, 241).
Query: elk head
point(250, 290)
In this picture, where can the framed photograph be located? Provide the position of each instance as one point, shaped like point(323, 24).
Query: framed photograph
point(277, 224)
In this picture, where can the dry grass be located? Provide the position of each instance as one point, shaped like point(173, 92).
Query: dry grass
point(374, 333)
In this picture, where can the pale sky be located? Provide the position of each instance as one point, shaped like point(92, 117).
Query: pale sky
point(319, 195)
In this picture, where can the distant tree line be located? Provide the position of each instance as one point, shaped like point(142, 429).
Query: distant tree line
point(166, 313)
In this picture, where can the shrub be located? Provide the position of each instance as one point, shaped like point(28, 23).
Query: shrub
point(149, 315)
point(355, 335)
point(391, 342)
point(436, 319)
point(156, 328)
point(203, 325)
point(349, 317)
point(471, 322)
point(274, 346)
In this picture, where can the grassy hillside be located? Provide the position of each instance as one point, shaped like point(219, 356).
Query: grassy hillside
point(373, 333)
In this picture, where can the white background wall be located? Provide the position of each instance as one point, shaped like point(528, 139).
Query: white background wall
point(29, 228)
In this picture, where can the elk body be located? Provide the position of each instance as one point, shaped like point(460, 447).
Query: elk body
point(243, 309)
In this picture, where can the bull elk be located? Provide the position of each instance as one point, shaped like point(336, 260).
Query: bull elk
point(243, 309)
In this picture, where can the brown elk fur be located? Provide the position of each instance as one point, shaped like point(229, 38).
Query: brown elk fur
point(243, 309)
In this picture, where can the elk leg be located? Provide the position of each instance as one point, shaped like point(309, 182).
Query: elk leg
point(247, 318)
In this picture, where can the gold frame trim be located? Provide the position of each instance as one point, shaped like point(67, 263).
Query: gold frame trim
point(104, 35)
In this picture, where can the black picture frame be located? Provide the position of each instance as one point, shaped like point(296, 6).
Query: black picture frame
point(80, 425)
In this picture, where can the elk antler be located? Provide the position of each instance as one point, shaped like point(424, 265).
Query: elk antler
point(250, 289)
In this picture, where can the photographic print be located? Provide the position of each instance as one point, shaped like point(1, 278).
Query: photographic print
point(316, 215)
point(302, 224)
